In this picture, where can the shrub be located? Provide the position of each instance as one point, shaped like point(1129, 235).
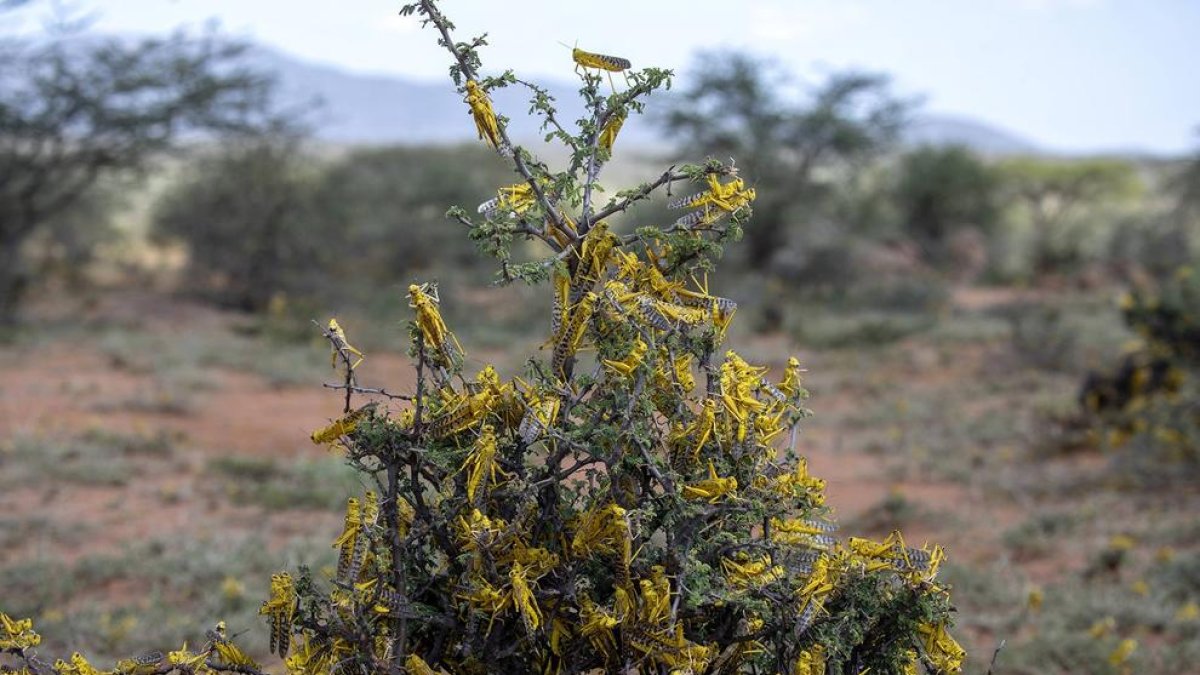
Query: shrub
point(944, 190)
point(246, 216)
point(624, 506)
point(1148, 403)
point(390, 204)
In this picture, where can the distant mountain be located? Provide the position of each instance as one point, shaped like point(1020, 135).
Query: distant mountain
point(935, 129)
point(386, 109)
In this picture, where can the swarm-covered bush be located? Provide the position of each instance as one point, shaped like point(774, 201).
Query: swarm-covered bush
point(1150, 402)
point(631, 504)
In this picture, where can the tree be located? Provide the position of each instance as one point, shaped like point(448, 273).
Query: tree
point(246, 214)
point(1055, 191)
point(75, 109)
point(390, 204)
point(942, 189)
point(735, 107)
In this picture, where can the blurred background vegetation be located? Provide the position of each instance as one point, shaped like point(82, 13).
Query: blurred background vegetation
point(172, 219)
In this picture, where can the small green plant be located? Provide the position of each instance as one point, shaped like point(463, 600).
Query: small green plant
point(632, 504)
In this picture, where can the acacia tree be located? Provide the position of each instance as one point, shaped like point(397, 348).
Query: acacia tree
point(74, 109)
point(247, 215)
point(735, 107)
point(1054, 192)
point(633, 504)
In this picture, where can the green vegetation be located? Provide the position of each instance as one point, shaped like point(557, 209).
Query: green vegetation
point(74, 112)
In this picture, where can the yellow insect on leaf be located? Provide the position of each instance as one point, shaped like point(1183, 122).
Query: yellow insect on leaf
point(718, 201)
point(476, 530)
point(801, 531)
point(341, 427)
point(767, 428)
point(739, 380)
point(564, 231)
point(541, 409)
point(810, 661)
point(347, 542)
point(486, 597)
point(683, 373)
point(145, 664)
point(597, 624)
point(943, 651)
point(463, 412)
point(340, 346)
point(185, 658)
point(523, 599)
point(608, 135)
point(312, 659)
point(670, 649)
point(594, 252)
point(415, 665)
point(517, 198)
point(747, 571)
point(573, 332)
point(629, 266)
point(870, 549)
point(433, 328)
point(606, 531)
point(17, 633)
point(279, 610)
point(798, 483)
point(712, 488)
point(537, 561)
point(680, 314)
point(613, 64)
point(700, 430)
point(792, 384)
point(480, 463)
point(229, 653)
point(562, 306)
point(655, 605)
point(625, 367)
point(820, 580)
point(485, 117)
point(77, 666)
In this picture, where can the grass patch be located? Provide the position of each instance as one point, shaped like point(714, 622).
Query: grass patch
point(20, 531)
point(153, 596)
point(824, 329)
point(302, 484)
point(177, 359)
point(94, 458)
point(893, 512)
point(1040, 535)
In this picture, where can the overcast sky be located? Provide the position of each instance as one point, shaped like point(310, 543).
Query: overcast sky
point(1076, 75)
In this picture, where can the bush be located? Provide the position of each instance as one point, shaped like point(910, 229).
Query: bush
point(246, 216)
point(1148, 403)
point(943, 190)
point(390, 205)
point(624, 507)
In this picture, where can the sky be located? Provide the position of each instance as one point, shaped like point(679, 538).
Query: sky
point(1069, 75)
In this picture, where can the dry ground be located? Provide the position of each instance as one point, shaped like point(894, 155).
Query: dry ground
point(155, 468)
